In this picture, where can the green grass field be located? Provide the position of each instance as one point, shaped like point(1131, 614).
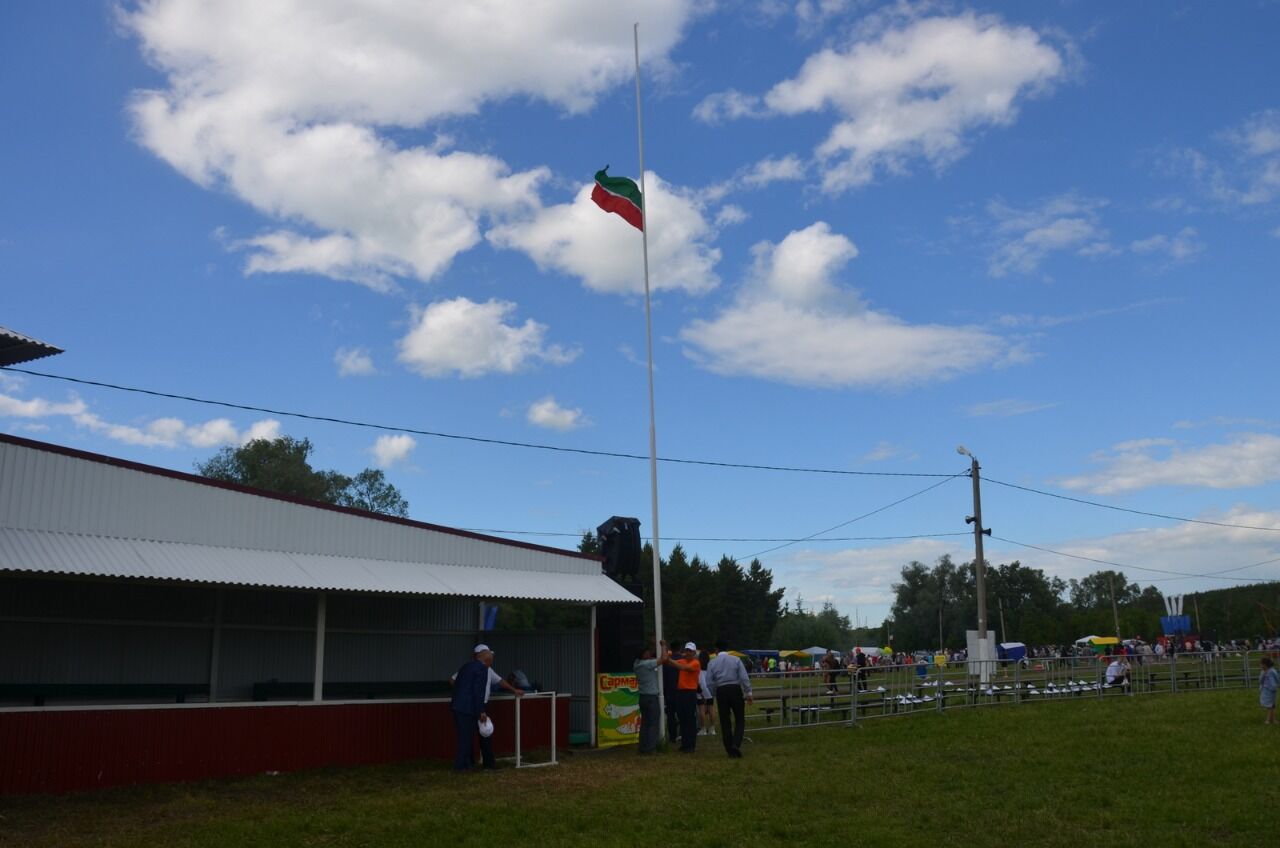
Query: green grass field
point(1161, 770)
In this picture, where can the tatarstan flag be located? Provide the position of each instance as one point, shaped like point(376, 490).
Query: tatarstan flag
point(620, 195)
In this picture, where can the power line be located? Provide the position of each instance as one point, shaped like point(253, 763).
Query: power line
point(724, 538)
point(1179, 574)
point(1126, 509)
point(876, 511)
point(329, 419)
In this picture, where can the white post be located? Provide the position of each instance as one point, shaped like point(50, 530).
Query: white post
point(653, 429)
point(317, 690)
point(518, 700)
point(552, 699)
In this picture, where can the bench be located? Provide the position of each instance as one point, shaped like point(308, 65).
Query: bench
point(39, 693)
point(303, 690)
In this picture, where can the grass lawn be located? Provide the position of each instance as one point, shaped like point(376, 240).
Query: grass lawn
point(1162, 770)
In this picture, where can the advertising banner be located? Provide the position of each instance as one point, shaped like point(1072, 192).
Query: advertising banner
point(617, 710)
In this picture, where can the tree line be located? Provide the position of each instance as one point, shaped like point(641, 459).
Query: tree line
point(933, 607)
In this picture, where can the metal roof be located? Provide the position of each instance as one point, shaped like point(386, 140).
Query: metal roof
point(15, 348)
point(69, 512)
point(47, 552)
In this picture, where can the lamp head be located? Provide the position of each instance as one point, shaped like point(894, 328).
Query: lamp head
point(963, 451)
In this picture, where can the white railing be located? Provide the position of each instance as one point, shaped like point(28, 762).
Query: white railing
point(815, 697)
point(550, 698)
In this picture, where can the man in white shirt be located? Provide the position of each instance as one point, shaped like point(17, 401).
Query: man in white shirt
point(728, 681)
point(1118, 672)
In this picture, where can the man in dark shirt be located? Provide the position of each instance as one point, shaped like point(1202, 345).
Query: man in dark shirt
point(670, 683)
point(470, 688)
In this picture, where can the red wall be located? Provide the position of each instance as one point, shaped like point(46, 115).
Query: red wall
point(50, 751)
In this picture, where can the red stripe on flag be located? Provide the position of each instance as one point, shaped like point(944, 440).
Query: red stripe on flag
point(618, 205)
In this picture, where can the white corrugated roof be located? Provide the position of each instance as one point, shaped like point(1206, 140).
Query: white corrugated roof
point(55, 552)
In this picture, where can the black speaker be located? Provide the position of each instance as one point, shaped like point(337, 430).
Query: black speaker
point(621, 629)
point(620, 546)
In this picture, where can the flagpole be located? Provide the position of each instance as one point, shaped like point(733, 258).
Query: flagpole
point(648, 327)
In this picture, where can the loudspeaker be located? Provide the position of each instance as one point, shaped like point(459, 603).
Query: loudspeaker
point(621, 629)
point(620, 546)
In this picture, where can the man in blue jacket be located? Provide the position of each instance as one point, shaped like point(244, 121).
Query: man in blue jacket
point(470, 692)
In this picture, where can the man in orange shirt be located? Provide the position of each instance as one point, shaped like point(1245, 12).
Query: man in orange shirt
point(687, 696)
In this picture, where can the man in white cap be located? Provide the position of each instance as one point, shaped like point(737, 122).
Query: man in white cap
point(471, 687)
point(687, 696)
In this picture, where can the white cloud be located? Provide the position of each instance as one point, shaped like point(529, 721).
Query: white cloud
point(604, 251)
point(912, 91)
point(470, 339)
point(353, 362)
point(730, 214)
point(389, 450)
point(285, 105)
point(12, 407)
point(1006, 408)
point(548, 413)
point(791, 322)
point(1180, 247)
point(174, 432)
point(887, 450)
point(1024, 237)
point(159, 432)
point(1245, 169)
point(1249, 459)
point(1185, 548)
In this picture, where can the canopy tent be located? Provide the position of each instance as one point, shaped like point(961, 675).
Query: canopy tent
point(799, 657)
point(871, 652)
point(1012, 650)
point(1085, 640)
point(815, 651)
point(762, 653)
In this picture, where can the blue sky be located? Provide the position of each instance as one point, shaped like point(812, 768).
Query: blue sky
point(1046, 231)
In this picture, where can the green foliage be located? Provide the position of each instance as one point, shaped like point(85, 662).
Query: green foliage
point(370, 491)
point(800, 628)
point(701, 603)
point(933, 607)
point(281, 465)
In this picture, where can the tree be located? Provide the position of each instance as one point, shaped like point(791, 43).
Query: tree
point(281, 465)
point(370, 491)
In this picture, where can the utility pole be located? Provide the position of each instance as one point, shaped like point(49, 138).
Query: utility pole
point(1195, 599)
point(1004, 634)
point(979, 562)
point(1115, 611)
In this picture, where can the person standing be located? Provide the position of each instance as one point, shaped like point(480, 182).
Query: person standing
point(830, 663)
point(646, 669)
point(860, 661)
point(470, 691)
point(670, 682)
point(729, 683)
point(462, 702)
point(687, 697)
point(1268, 683)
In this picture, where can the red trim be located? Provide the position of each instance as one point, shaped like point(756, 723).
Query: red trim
point(54, 751)
point(236, 487)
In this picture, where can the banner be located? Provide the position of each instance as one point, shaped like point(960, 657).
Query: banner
point(617, 710)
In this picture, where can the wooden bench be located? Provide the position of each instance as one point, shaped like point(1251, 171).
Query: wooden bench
point(303, 690)
point(40, 693)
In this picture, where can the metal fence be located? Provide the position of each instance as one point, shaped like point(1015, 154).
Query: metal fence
point(810, 698)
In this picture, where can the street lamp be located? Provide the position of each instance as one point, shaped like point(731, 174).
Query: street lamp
point(979, 565)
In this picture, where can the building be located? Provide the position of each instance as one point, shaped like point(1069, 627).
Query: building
point(156, 625)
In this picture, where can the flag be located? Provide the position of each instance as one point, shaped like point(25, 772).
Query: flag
point(620, 195)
